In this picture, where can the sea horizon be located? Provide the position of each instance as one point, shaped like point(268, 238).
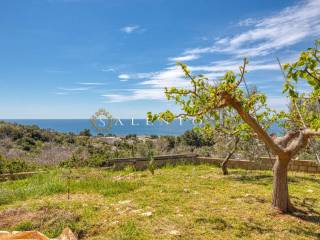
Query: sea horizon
point(127, 126)
point(140, 127)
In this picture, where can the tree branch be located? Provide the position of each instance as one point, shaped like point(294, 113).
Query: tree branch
point(284, 140)
point(301, 141)
point(311, 75)
point(247, 118)
point(243, 70)
point(310, 132)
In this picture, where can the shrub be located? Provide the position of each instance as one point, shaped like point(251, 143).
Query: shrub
point(85, 132)
point(196, 139)
point(2, 164)
point(26, 143)
point(9, 130)
point(15, 165)
point(171, 140)
point(131, 136)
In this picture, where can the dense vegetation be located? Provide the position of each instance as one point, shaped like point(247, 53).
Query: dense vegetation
point(24, 148)
point(27, 147)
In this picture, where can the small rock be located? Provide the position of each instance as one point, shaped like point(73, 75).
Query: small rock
point(124, 202)
point(114, 222)
point(67, 234)
point(147, 214)
point(175, 233)
point(136, 211)
point(310, 190)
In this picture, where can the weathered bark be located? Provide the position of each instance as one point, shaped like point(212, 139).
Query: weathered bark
point(280, 196)
point(283, 141)
point(226, 160)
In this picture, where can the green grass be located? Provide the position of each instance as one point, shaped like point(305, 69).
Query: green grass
point(184, 202)
point(56, 182)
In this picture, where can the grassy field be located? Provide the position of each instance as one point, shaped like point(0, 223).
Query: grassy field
point(184, 202)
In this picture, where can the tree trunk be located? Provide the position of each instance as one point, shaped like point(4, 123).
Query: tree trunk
point(226, 160)
point(224, 164)
point(280, 197)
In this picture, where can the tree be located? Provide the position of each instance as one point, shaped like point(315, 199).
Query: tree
point(204, 98)
point(196, 138)
point(85, 132)
point(232, 127)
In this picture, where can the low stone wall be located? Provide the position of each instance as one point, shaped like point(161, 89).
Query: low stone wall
point(160, 161)
point(142, 163)
point(264, 163)
point(15, 176)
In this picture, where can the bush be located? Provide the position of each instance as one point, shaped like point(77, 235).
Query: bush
point(196, 139)
point(14, 166)
point(131, 136)
point(26, 143)
point(171, 140)
point(2, 164)
point(85, 132)
point(10, 131)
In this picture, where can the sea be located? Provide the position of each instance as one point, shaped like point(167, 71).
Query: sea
point(122, 127)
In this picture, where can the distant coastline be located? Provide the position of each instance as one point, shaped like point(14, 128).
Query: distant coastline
point(138, 127)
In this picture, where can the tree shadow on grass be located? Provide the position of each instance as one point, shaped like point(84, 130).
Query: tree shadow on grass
point(308, 216)
point(263, 179)
point(266, 179)
point(311, 178)
point(305, 232)
point(304, 210)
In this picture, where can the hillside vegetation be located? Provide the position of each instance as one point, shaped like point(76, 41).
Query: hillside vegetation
point(24, 148)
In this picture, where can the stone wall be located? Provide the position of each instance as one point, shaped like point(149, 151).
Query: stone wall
point(142, 163)
point(160, 161)
point(260, 164)
point(264, 164)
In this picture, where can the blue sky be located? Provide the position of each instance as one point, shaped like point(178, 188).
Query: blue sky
point(67, 58)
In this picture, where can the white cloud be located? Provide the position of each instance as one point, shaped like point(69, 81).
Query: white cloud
point(137, 94)
point(169, 77)
point(286, 28)
point(108, 70)
point(248, 22)
point(173, 76)
point(130, 29)
point(61, 93)
point(261, 37)
point(233, 65)
point(127, 76)
point(124, 77)
point(184, 58)
point(142, 75)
